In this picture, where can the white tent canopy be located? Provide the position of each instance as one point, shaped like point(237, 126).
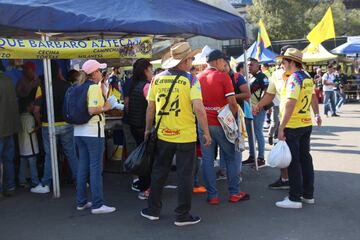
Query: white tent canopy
point(200, 58)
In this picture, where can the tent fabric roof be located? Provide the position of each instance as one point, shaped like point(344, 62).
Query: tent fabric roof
point(316, 54)
point(170, 17)
point(350, 47)
point(267, 56)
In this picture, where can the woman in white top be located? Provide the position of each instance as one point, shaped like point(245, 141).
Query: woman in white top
point(90, 140)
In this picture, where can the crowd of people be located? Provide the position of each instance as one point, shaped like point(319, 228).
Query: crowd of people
point(185, 106)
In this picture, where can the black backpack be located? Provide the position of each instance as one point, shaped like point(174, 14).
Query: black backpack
point(75, 107)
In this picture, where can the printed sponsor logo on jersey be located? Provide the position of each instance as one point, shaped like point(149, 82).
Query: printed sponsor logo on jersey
point(170, 132)
point(306, 120)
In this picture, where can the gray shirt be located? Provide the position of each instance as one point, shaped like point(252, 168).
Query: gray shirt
point(9, 110)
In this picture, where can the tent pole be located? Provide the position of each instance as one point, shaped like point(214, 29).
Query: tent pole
point(51, 122)
point(252, 121)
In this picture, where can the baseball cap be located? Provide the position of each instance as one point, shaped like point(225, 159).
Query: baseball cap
point(91, 66)
point(215, 55)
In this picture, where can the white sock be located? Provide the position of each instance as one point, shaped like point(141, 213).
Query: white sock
point(284, 179)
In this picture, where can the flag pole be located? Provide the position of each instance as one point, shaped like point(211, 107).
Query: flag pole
point(252, 121)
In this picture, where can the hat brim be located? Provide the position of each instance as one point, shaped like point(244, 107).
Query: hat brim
point(280, 57)
point(103, 65)
point(169, 62)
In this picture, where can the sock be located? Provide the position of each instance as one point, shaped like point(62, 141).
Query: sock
point(284, 179)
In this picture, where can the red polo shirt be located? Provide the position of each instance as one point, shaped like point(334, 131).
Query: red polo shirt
point(216, 86)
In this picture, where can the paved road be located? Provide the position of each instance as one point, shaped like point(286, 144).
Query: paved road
point(336, 215)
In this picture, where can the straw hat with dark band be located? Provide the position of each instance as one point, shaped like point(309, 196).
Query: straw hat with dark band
point(292, 54)
point(178, 52)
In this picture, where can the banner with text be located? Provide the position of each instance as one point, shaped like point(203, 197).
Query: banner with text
point(139, 47)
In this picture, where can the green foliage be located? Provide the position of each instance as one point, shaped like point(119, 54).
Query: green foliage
point(293, 19)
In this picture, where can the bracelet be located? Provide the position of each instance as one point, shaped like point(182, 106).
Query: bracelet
point(317, 115)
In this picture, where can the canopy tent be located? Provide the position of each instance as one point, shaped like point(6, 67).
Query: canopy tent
point(267, 56)
point(350, 47)
point(316, 54)
point(86, 19)
point(171, 17)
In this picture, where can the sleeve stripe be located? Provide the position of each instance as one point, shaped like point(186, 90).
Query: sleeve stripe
point(229, 94)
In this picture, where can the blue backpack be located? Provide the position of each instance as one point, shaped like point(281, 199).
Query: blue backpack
point(75, 107)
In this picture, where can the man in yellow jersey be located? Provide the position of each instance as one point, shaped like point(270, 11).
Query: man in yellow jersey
point(295, 128)
point(177, 130)
point(276, 84)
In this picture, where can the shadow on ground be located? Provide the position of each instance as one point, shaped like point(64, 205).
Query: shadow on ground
point(334, 216)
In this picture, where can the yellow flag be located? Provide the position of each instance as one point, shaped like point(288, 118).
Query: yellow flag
point(263, 35)
point(323, 30)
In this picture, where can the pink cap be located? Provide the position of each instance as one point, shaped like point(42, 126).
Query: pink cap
point(91, 66)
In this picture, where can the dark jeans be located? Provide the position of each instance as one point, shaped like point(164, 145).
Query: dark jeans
point(138, 134)
point(185, 163)
point(301, 170)
point(7, 152)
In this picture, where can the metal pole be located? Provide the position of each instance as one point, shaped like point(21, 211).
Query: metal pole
point(51, 122)
point(252, 121)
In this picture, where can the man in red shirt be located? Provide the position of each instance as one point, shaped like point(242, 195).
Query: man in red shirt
point(217, 91)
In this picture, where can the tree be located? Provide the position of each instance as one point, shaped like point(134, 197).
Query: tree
point(293, 19)
point(353, 23)
point(283, 19)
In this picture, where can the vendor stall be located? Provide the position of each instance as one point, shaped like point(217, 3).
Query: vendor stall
point(100, 19)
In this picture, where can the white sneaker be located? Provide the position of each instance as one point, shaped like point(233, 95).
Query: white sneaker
point(103, 209)
point(287, 203)
point(308, 200)
point(85, 206)
point(40, 189)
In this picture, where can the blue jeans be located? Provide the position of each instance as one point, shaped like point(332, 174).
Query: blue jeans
point(7, 152)
point(64, 134)
point(91, 151)
point(339, 99)
point(231, 157)
point(329, 100)
point(33, 170)
point(259, 135)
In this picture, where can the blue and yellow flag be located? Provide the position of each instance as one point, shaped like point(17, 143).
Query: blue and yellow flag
point(263, 40)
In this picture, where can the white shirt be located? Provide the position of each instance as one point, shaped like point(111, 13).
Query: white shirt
point(330, 77)
point(28, 143)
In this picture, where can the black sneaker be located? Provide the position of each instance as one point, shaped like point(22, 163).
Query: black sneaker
point(335, 115)
point(145, 213)
point(261, 163)
point(220, 175)
point(135, 186)
point(280, 184)
point(249, 161)
point(189, 221)
point(271, 140)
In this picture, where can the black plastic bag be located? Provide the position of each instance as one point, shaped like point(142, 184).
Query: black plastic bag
point(139, 162)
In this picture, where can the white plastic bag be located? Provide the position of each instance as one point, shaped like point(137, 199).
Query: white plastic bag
point(279, 156)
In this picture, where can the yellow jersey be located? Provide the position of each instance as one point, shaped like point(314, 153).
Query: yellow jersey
point(178, 121)
point(299, 86)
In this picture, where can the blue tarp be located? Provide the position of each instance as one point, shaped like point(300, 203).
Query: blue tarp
point(351, 47)
point(267, 56)
point(168, 17)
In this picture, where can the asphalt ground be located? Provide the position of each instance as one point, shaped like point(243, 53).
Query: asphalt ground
point(336, 153)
